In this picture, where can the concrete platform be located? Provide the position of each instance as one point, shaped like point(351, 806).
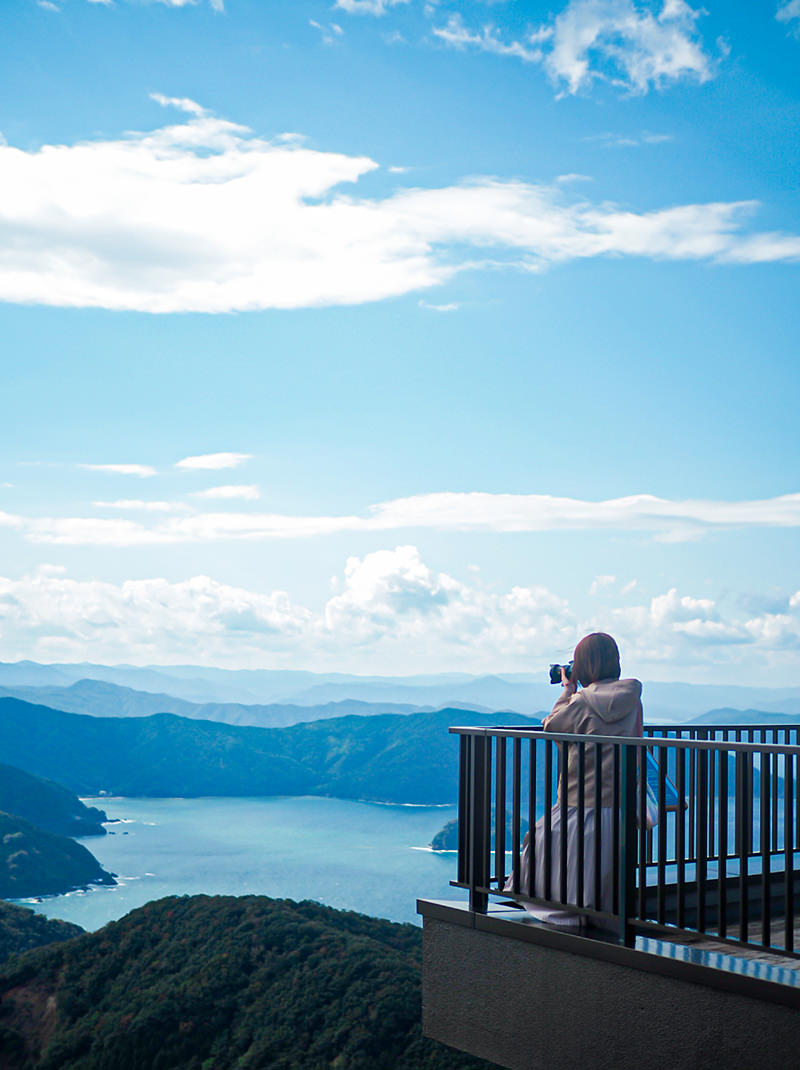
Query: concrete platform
point(508, 989)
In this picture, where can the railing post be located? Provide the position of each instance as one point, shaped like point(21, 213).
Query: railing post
point(627, 855)
point(480, 779)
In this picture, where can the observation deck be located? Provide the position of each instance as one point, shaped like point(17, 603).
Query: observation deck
point(687, 952)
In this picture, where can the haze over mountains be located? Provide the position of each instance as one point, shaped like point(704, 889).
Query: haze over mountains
point(282, 697)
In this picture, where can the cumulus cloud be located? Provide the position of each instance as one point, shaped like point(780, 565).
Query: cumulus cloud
point(214, 461)
point(789, 12)
point(141, 470)
point(205, 216)
point(447, 511)
point(56, 617)
point(246, 492)
point(389, 607)
point(633, 46)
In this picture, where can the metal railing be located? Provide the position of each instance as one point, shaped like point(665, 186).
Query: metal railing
point(719, 861)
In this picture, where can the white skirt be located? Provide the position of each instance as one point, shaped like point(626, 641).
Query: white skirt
point(571, 918)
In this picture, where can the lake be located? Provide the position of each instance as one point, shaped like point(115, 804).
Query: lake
point(360, 856)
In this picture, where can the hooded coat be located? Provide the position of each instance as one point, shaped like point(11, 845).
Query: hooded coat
point(605, 708)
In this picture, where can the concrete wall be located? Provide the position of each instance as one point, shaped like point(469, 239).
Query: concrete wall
point(528, 1006)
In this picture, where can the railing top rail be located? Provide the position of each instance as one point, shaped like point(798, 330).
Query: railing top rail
point(768, 726)
point(649, 741)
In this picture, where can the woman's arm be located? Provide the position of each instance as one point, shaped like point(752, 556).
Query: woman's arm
point(562, 718)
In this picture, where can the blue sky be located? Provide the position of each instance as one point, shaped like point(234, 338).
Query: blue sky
point(399, 337)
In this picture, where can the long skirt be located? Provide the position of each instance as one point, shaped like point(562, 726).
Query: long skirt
point(570, 918)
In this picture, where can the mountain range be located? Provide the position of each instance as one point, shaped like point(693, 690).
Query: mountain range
point(526, 693)
point(100, 698)
point(408, 758)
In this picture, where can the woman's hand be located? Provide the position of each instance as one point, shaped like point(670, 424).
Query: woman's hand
point(570, 685)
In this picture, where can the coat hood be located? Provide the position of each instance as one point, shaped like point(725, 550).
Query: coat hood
point(613, 700)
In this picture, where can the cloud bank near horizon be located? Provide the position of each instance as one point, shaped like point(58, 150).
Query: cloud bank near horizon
point(387, 608)
point(205, 216)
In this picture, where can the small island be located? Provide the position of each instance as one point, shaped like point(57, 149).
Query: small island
point(446, 839)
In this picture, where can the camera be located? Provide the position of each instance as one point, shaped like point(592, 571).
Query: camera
point(555, 672)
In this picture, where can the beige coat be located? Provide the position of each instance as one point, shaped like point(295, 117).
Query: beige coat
point(607, 708)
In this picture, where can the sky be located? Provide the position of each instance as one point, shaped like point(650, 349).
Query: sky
point(386, 336)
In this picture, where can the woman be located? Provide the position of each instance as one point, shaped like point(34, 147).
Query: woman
point(605, 706)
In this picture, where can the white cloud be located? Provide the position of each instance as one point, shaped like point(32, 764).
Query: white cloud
point(452, 306)
point(184, 104)
point(635, 46)
point(330, 33)
point(456, 34)
point(643, 137)
point(141, 470)
point(53, 616)
point(246, 492)
point(214, 461)
point(574, 177)
point(599, 582)
point(367, 7)
point(216, 5)
point(137, 505)
point(388, 609)
point(203, 216)
point(446, 511)
point(790, 12)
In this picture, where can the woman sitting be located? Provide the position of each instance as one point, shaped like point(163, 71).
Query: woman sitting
point(606, 706)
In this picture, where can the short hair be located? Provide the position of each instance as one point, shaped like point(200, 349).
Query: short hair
point(596, 658)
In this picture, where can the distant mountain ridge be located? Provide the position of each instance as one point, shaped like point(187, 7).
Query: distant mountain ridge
point(99, 698)
point(408, 758)
point(745, 717)
point(527, 693)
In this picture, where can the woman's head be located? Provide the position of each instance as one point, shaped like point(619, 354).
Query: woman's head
point(596, 658)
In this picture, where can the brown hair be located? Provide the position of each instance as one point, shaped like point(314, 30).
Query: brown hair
point(596, 658)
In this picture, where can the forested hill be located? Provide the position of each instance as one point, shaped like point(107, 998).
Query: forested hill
point(221, 982)
point(48, 805)
point(389, 758)
point(21, 929)
point(35, 862)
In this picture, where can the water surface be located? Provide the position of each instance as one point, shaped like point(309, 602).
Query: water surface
point(352, 855)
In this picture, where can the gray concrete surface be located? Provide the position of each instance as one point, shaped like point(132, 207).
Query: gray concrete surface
point(527, 1006)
